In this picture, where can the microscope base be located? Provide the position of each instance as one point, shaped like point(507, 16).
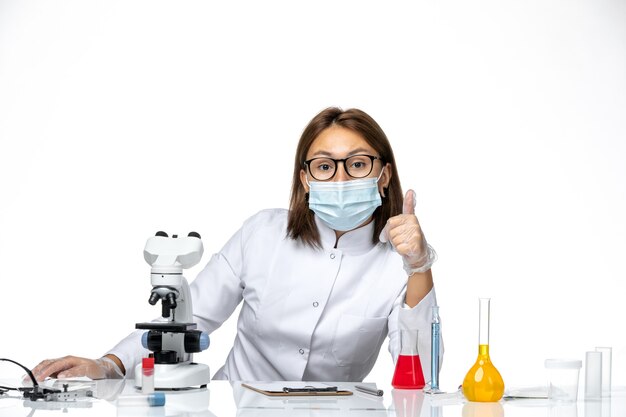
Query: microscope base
point(178, 375)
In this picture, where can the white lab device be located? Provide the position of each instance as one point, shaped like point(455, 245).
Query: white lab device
point(173, 339)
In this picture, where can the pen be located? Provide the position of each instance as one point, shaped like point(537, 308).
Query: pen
point(310, 389)
point(368, 390)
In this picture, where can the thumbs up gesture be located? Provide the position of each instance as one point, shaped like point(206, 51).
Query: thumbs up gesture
point(405, 235)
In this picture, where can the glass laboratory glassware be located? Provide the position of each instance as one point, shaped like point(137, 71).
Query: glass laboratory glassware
point(407, 403)
point(435, 331)
point(408, 373)
point(483, 382)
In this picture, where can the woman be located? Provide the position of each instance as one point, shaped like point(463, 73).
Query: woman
point(323, 282)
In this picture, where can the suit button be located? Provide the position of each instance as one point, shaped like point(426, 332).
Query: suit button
point(332, 256)
point(315, 304)
point(301, 351)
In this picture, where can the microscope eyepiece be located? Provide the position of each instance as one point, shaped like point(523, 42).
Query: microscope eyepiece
point(161, 233)
point(194, 234)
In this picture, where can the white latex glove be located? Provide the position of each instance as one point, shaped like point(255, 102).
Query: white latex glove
point(405, 235)
point(72, 366)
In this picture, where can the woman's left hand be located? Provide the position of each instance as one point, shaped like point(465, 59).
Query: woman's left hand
point(405, 234)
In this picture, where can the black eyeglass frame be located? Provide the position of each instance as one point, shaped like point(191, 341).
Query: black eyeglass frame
point(372, 158)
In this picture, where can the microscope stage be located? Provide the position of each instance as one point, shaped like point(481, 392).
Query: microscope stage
point(167, 327)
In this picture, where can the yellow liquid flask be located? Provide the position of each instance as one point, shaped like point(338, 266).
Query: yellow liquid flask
point(483, 382)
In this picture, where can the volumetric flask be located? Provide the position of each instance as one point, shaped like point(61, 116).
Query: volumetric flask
point(483, 382)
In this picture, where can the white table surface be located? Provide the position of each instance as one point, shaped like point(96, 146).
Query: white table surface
point(222, 398)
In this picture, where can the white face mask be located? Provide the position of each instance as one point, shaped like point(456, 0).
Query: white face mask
point(344, 205)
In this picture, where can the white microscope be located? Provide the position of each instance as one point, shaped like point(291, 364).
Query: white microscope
point(173, 339)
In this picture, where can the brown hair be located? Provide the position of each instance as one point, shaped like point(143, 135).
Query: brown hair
point(301, 221)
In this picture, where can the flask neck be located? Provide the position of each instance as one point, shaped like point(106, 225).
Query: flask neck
point(483, 324)
point(483, 350)
point(408, 342)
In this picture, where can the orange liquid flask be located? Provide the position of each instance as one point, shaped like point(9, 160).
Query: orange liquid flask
point(408, 373)
point(483, 382)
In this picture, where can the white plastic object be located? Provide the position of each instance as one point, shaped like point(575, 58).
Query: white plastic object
point(593, 375)
point(563, 379)
point(156, 399)
point(606, 370)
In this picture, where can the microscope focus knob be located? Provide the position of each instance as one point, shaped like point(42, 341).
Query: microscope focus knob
point(196, 341)
point(152, 340)
point(194, 234)
point(204, 341)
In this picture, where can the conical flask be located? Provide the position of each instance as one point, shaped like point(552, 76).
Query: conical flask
point(408, 373)
point(483, 382)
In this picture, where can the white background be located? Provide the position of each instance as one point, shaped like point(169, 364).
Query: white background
point(508, 118)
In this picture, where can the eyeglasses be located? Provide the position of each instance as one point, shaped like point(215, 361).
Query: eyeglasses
point(356, 166)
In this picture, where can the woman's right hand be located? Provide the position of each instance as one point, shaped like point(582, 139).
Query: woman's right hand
point(73, 366)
